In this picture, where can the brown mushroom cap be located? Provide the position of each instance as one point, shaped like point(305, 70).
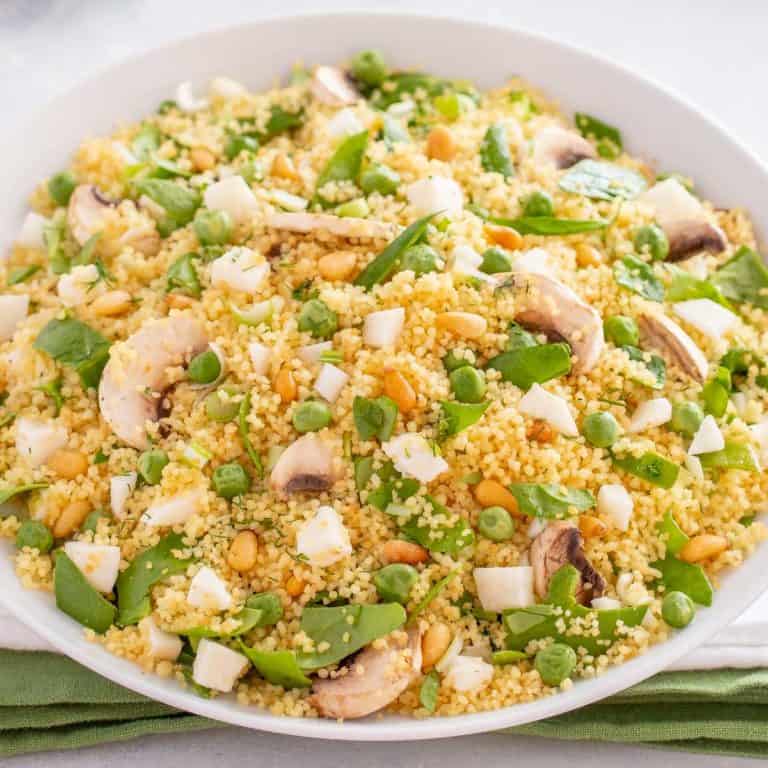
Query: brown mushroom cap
point(557, 545)
point(306, 465)
point(691, 236)
point(331, 86)
point(561, 148)
point(658, 332)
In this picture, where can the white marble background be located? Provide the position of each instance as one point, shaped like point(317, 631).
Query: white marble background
point(711, 51)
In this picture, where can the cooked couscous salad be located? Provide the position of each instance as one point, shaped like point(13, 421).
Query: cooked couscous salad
point(376, 392)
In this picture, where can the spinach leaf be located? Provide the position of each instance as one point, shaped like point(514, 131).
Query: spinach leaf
point(6, 494)
point(608, 138)
point(180, 203)
point(549, 225)
point(342, 630)
point(732, 456)
point(744, 277)
point(77, 598)
point(393, 486)
point(655, 365)
point(346, 161)
point(671, 532)
point(374, 418)
point(242, 430)
point(456, 417)
point(600, 180)
point(430, 687)
point(526, 366)
point(637, 276)
point(146, 142)
point(280, 121)
point(679, 576)
point(549, 501)
point(450, 539)
point(650, 467)
point(432, 593)
point(684, 286)
point(22, 274)
point(494, 151)
point(277, 667)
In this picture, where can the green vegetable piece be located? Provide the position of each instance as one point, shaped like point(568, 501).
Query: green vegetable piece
point(86, 255)
point(671, 532)
point(311, 416)
point(91, 522)
point(495, 260)
point(600, 429)
point(147, 142)
point(74, 343)
point(394, 582)
point(182, 276)
point(240, 142)
point(355, 209)
point(500, 658)
point(679, 576)
point(393, 485)
point(369, 68)
point(600, 180)
point(145, 570)
point(53, 238)
point(270, 606)
point(452, 361)
point(651, 467)
point(549, 225)
point(526, 366)
point(387, 262)
point(622, 331)
point(61, 186)
point(555, 663)
point(213, 227)
point(677, 609)
point(346, 161)
point(607, 138)
point(151, 464)
point(744, 277)
point(494, 151)
point(180, 203)
point(456, 417)
point(538, 203)
point(716, 393)
point(342, 630)
point(449, 539)
point(19, 275)
point(230, 480)
point(277, 667)
point(53, 390)
point(655, 365)
point(78, 599)
point(519, 338)
point(550, 501)
point(420, 259)
point(428, 693)
point(280, 121)
point(637, 276)
point(450, 105)
point(495, 523)
point(651, 241)
point(732, 456)
point(374, 418)
point(318, 319)
point(242, 428)
point(467, 384)
point(432, 593)
point(36, 535)
point(747, 520)
point(379, 178)
point(204, 368)
point(9, 492)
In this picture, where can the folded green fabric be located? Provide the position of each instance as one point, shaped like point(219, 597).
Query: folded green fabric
point(49, 702)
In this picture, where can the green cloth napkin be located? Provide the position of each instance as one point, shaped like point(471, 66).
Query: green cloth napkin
point(49, 702)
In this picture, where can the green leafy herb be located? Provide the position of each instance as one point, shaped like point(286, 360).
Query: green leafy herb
point(22, 274)
point(374, 418)
point(345, 163)
point(78, 599)
point(744, 277)
point(494, 151)
point(684, 286)
point(180, 203)
point(549, 225)
point(450, 539)
point(550, 501)
point(732, 456)
point(655, 365)
point(280, 121)
point(430, 687)
point(432, 593)
point(456, 417)
point(393, 486)
point(6, 494)
point(147, 142)
point(600, 180)
point(651, 467)
point(277, 667)
point(608, 138)
point(526, 366)
point(679, 576)
point(637, 276)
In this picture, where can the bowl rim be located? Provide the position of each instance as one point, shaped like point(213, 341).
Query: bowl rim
point(390, 728)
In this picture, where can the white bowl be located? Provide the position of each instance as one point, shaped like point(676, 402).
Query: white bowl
point(657, 126)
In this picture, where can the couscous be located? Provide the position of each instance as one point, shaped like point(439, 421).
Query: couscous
point(376, 392)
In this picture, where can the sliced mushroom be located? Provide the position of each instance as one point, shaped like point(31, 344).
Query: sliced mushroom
point(557, 545)
point(546, 305)
point(331, 86)
point(561, 148)
point(375, 678)
point(305, 465)
point(658, 332)
point(693, 236)
point(87, 212)
point(139, 368)
point(337, 225)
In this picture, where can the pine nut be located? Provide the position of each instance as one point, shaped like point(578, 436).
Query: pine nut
point(70, 519)
point(703, 547)
point(112, 303)
point(434, 644)
point(337, 266)
point(588, 256)
point(285, 385)
point(592, 527)
point(467, 325)
point(440, 144)
point(294, 586)
point(202, 159)
point(541, 431)
point(399, 389)
point(490, 493)
point(283, 167)
point(504, 236)
point(399, 551)
point(243, 551)
point(68, 464)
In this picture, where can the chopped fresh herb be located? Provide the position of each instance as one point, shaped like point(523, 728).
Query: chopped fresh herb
point(180, 203)
point(655, 365)
point(53, 390)
point(600, 180)
point(449, 539)
point(550, 501)
point(637, 276)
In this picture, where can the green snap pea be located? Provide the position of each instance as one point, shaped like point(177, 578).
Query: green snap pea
point(317, 318)
point(311, 416)
point(77, 598)
point(369, 68)
point(61, 186)
point(651, 239)
point(354, 209)
point(213, 227)
point(222, 405)
point(555, 663)
point(379, 178)
point(34, 534)
point(538, 203)
point(230, 480)
point(601, 429)
point(204, 368)
point(677, 609)
point(420, 259)
point(394, 582)
point(495, 260)
point(467, 384)
point(622, 331)
point(495, 523)
point(686, 418)
point(151, 464)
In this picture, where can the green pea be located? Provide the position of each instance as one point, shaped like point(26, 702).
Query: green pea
point(318, 319)
point(677, 609)
point(394, 582)
point(622, 331)
point(34, 534)
point(495, 260)
point(151, 464)
point(213, 227)
point(61, 186)
point(600, 429)
point(223, 404)
point(238, 143)
point(369, 68)
point(651, 239)
point(310, 416)
point(452, 361)
point(420, 259)
point(204, 368)
point(354, 209)
point(686, 418)
point(555, 663)
point(467, 384)
point(379, 178)
point(495, 523)
point(91, 522)
point(230, 480)
point(538, 203)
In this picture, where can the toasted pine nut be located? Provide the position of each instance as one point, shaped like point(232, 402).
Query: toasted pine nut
point(490, 493)
point(68, 464)
point(588, 256)
point(504, 236)
point(112, 303)
point(294, 586)
point(440, 144)
point(467, 325)
point(703, 547)
point(592, 527)
point(202, 159)
point(243, 551)
point(283, 167)
point(285, 385)
point(434, 644)
point(338, 265)
point(399, 551)
point(397, 387)
point(179, 300)
point(71, 518)
point(541, 431)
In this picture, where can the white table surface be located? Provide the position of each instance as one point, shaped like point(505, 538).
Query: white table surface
point(711, 51)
